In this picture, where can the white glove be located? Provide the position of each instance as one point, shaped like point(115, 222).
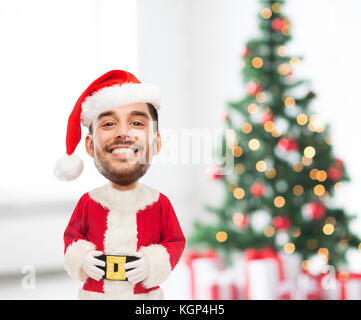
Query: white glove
point(140, 271)
point(89, 265)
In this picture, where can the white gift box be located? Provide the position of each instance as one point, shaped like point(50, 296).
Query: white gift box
point(226, 286)
point(309, 287)
point(206, 272)
point(287, 289)
point(262, 279)
point(264, 274)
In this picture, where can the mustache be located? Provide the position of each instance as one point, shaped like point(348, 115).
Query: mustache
point(123, 143)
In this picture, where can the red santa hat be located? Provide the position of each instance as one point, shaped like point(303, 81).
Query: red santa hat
point(113, 89)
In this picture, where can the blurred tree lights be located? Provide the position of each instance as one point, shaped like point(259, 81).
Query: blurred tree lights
point(284, 170)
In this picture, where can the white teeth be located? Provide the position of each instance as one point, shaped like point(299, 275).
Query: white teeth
point(123, 150)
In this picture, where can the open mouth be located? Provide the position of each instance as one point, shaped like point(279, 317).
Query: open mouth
point(124, 151)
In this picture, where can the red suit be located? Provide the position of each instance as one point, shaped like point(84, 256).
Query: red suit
point(120, 223)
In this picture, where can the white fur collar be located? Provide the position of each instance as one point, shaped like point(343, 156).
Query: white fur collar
point(130, 200)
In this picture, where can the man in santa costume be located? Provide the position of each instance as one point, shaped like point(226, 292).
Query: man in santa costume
point(123, 239)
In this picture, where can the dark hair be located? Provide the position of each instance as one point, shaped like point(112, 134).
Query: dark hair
point(153, 114)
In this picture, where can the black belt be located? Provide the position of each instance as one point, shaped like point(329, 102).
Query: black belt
point(114, 266)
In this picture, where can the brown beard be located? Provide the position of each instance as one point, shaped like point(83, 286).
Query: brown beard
point(120, 177)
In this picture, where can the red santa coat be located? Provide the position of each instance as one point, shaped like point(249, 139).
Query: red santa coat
point(120, 223)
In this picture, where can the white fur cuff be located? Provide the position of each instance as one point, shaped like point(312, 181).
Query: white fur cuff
point(159, 264)
point(74, 256)
point(110, 97)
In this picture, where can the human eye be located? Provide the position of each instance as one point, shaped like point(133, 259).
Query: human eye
point(108, 124)
point(137, 123)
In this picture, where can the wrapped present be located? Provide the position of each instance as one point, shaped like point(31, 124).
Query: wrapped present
point(204, 268)
point(347, 287)
point(311, 286)
point(210, 279)
point(225, 286)
point(288, 289)
point(264, 275)
point(238, 274)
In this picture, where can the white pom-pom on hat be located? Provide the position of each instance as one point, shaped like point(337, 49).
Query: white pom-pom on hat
point(68, 168)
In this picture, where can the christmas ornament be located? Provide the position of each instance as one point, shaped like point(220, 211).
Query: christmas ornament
point(334, 173)
point(287, 144)
point(339, 163)
point(314, 210)
point(253, 88)
point(267, 117)
point(282, 239)
point(260, 219)
point(240, 220)
point(258, 189)
point(281, 222)
point(282, 127)
point(287, 150)
point(277, 24)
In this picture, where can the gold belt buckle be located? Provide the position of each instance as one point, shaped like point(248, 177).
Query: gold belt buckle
point(115, 267)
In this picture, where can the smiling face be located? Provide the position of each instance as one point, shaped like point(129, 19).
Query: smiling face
point(123, 143)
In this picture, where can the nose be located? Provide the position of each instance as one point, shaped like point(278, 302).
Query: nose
point(123, 137)
point(123, 132)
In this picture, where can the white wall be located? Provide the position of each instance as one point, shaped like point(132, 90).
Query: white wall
point(50, 52)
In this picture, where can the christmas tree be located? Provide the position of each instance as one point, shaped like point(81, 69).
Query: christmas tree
point(285, 173)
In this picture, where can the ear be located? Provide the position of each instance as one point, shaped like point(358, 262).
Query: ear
point(157, 144)
point(89, 145)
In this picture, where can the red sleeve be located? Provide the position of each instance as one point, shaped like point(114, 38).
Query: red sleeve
point(75, 240)
point(78, 225)
point(172, 237)
point(163, 256)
